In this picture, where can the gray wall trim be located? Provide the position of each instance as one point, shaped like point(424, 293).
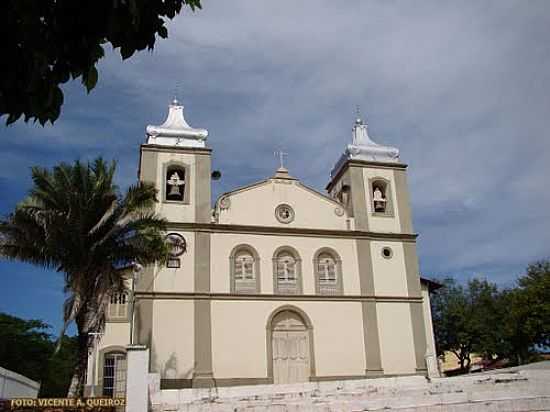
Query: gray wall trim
point(418, 323)
point(257, 266)
point(188, 383)
point(203, 208)
point(291, 231)
point(411, 269)
point(176, 383)
point(359, 198)
point(403, 202)
point(143, 312)
point(224, 382)
point(202, 376)
point(143, 322)
point(364, 262)
point(243, 381)
point(362, 163)
point(175, 149)
point(358, 377)
point(148, 167)
point(269, 338)
point(419, 336)
point(371, 335)
point(273, 297)
point(202, 262)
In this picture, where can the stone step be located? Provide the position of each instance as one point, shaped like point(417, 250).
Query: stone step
point(369, 394)
point(498, 401)
point(528, 390)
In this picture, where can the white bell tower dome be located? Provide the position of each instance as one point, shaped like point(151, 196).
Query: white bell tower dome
point(175, 131)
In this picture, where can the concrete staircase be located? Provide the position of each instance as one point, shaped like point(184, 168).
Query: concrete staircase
point(506, 390)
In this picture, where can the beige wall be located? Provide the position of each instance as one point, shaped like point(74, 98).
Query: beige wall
point(256, 206)
point(178, 279)
point(172, 349)
point(223, 243)
point(239, 337)
point(390, 278)
point(396, 338)
point(381, 223)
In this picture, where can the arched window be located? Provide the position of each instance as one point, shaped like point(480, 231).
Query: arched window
point(114, 374)
point(175, 182)
point(380, 193)
point(245, 270)
point(328, 272)
point(287, 271)
point(118, 306)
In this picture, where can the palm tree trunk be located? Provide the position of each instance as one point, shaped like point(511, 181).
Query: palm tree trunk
point(76, 389)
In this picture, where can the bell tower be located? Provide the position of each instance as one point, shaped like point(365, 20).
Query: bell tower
point(371, 183)
point(175, 158)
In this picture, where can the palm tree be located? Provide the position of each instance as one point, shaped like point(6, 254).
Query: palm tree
point(76, 221)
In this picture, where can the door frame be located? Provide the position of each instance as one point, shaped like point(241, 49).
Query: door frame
point(269, 339)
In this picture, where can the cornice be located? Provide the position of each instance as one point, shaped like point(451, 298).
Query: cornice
point(290, 231)
point(362, 163)
point(272, 297)
point(171, 149)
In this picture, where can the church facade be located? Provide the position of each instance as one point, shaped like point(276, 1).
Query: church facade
point(276, 282)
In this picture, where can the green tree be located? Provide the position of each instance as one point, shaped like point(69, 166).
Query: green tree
point(76, 221)
point(535, 285)
point(60, 368)
point(466, 319)
point(27, 348)
point(525, 323)
point(47, 42)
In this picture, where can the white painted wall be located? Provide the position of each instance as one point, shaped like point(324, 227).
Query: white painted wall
point(14, 385)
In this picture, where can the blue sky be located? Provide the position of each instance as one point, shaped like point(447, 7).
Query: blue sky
point(462, 88)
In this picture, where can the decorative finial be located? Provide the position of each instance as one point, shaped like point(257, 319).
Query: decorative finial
point(177, 91)
point(281, 155)
point(358, 119)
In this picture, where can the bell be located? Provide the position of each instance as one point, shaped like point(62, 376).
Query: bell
point(174, 190)
point(378, 195)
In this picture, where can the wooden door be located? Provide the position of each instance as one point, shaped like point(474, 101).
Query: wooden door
point(290, 349)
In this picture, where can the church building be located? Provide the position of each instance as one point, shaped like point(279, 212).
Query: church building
point(275, 282)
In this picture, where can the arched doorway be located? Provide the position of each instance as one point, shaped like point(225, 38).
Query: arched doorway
point(290, 343)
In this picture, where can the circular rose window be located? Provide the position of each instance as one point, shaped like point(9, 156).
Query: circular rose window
point(284, 213)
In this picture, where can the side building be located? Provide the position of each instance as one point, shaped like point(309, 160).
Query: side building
point(277, 282)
